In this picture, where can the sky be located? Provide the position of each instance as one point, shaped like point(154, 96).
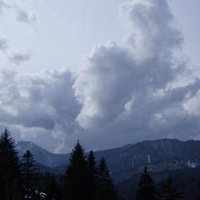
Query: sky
point(108, 73)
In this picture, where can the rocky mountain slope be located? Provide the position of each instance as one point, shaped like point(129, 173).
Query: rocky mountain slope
point(165, 154)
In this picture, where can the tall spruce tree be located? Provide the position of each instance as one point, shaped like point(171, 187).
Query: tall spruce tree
point(146, 188)
point(170, 192)
point(92, 175)
point(52, 189)
point(9, 168)
point(76, 175)
point(29, 174)
point(105, 187)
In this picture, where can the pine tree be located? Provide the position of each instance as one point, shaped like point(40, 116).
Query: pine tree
point(76, 175)
point(92, 174)
point(29, 172)
point(170, 192)
point(9, 168)
point(91, 164)
point(106, 189)
point(146, 188)
point(52, 189)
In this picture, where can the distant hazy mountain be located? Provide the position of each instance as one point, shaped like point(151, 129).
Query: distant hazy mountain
point(41, 155)
point(127, 161)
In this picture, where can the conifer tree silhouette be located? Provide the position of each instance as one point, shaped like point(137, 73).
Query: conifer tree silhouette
point(146, 187)
point(29, 174)
point(170, 192)
point(9, 168)
point(76, 175)
point(92, 175)
point(106, 189)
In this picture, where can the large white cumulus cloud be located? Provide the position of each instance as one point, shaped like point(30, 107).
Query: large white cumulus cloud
point(134, 91)
point(115, 76)
point(153, 32)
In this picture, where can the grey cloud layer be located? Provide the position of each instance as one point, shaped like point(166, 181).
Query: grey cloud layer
point(122, 95)
point(24, 16)
point(2, 6)
point(27, 17)
point(19, 57)
point(3, 43)
point(37, 101)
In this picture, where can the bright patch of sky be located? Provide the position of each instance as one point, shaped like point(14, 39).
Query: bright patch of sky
point(64, 31)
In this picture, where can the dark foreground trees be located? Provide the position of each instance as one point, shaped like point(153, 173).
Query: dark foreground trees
point(85, 181)
point(146, 187)
point(105, 187)
point(29, 174)
point(170, 191)
point(9, 168)
point(76, 175)
point(147, 190)
point(16, 177)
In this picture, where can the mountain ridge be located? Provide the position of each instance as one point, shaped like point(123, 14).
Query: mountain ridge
point(164, 157)
point(128, 160)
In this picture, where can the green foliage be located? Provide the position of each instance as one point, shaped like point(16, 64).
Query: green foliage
point(146, 187)
point(9, 168)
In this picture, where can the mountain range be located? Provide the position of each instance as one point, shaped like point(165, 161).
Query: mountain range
point(164, 157)
point(126, 161)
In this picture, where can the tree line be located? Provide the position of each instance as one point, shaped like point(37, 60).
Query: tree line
point(85, 179)
point(147, 190)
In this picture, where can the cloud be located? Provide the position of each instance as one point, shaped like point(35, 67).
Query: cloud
point(153, 30)
point(134, 92)
point(116, 76)
point(123, 94)
point(26, 17)
point(39, 105)
point(17, 8)
point(43, 101)
point(3, 43)
point(19, 57)
point(2, 6)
